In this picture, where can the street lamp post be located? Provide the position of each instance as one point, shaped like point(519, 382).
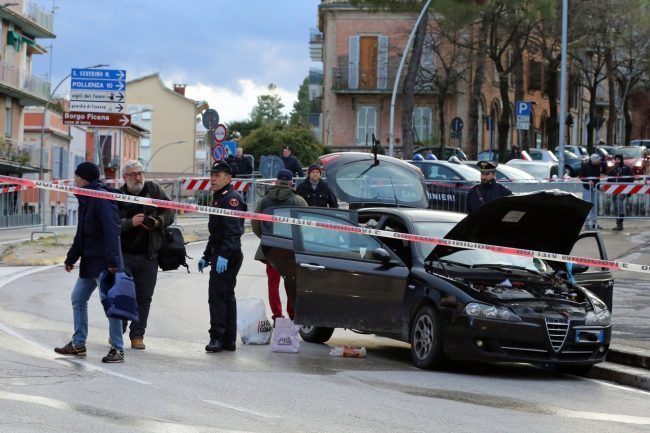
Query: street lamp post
point(146, 167)
point(41, 195)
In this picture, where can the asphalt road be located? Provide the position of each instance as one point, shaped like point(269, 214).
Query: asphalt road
point(174, 386)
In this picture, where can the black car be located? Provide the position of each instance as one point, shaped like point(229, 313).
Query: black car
point(448, 183)
point(447, 152)
point(447, 302)
point(364, 179)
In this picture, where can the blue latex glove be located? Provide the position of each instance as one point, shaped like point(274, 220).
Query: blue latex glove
point(222, 264)
point(203, 263)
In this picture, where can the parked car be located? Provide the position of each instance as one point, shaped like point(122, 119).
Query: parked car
point(572, 162)
point(635, 157)
point(448, 302)
point(447, 152)
point(542, 170)
point(363, 179)
point(448, 183)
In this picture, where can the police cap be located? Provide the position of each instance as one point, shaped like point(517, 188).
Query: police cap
point(221, 166)
point(486, 166)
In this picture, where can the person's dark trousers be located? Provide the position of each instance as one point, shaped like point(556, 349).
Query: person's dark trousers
point(145, 274)
point(222, 302)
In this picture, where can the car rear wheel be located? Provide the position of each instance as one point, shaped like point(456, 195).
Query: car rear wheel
point(426, 344)
point(316, 334)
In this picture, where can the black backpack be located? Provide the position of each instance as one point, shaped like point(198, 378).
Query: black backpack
point(172, 255)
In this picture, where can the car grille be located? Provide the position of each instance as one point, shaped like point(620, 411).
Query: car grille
point(557, 330)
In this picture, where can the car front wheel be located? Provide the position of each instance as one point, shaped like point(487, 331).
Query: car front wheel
point(316, 334)
point(426, 344)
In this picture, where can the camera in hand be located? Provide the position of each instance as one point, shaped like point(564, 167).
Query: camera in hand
point(149, 222)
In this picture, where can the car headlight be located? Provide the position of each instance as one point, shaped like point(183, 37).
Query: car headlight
point(638, 164)
point(600, 318)
point(490, 312)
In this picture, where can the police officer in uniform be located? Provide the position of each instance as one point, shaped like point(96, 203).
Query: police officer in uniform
point(224, 257)
point(489, 189)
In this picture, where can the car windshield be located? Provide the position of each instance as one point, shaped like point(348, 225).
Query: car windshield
point(539, 171)
point(468, 173)
point(470, 257)
point(383, 182)
point(630, 152)
point(571, 155)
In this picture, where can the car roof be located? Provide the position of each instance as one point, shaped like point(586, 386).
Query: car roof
point(525, 162)
point(417, 215)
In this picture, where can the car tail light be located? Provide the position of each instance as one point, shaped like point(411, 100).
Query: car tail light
point(325, 159)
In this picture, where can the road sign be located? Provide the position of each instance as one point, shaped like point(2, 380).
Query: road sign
point(231, 147)
point(113, 120)
point(97, 107)
point(220, 132)
point(107, 85)
point(99, 74)
point(97, 96)
point(523, 115)
point(210, 119)
point(218, 152)
point(457, 124)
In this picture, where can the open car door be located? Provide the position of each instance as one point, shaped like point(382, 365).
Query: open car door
point(597, 280)
point(346, 280)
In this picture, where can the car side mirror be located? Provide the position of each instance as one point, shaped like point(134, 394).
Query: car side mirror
point(382, 255)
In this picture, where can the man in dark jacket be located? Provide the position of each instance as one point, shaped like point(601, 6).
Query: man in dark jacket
point(621, 173)
point(489, 189)
point(224, 256)
point(142, 238)
point(314, 189)
point(280, 194)
point(291, 163)
point(590, 174)
point(97, 243)
point(244, 165)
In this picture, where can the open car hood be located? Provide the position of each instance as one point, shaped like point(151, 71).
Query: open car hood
point(548, 221)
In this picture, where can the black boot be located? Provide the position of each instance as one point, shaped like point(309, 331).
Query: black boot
point(619, 226)
point(214, 346)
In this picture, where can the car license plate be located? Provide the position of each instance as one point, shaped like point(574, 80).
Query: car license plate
point(590, 336)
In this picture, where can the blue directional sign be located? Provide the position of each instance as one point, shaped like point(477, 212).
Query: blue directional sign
point(99, 74)
point(106, 85)
point(230, 147)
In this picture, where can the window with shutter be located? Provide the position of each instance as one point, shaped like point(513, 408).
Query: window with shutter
point(366, 124)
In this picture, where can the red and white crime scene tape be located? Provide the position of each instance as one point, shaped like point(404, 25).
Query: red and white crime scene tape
point(203, 184)
point(329, 226)
point(626, 188)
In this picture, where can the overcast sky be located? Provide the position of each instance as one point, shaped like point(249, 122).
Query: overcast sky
point(226, 51)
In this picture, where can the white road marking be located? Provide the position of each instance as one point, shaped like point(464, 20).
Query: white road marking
point(14, 241)
point(241, 409)
point(621, 387)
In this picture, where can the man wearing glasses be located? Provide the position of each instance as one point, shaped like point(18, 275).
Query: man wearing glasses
point(142, 238)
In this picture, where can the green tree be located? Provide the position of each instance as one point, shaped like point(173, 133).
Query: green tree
point(244, 127)
point(269, 139)
point(302, 106)
point(269, 108)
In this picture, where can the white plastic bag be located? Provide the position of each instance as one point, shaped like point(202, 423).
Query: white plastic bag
point(285, 336)
point(252, 324)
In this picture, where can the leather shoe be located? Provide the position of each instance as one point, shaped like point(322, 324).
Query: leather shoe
point(214, 346)
point(230, 346)
point(137, 343)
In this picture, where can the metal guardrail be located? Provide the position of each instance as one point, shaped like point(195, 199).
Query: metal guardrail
point(629, 206)
point(14, 211)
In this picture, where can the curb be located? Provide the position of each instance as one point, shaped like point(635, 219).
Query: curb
point(621, 374)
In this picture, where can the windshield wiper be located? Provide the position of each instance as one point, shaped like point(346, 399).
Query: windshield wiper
point(451, 262)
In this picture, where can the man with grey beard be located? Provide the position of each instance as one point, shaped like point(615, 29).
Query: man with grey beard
point(142, 238)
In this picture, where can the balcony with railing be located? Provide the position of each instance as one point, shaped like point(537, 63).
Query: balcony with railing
point(23, 85)
point(315, 45)
point(18, 152)
point(369, 81)
point(32, 18)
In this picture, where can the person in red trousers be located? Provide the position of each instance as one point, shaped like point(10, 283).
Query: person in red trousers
point(279, 194)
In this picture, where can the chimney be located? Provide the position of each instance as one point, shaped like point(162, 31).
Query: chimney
point(180, 88)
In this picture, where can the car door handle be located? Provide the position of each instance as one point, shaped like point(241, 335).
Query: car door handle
point(312, 267)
